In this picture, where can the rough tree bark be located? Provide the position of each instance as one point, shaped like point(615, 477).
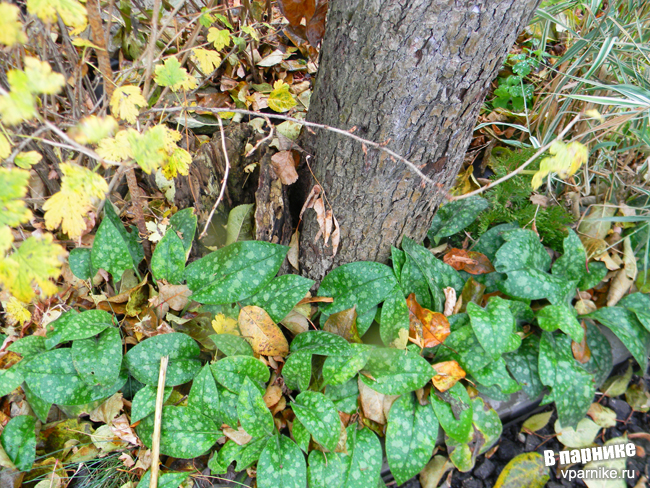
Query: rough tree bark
point(414, 73)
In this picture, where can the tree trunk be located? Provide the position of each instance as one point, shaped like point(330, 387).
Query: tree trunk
point(412, 74)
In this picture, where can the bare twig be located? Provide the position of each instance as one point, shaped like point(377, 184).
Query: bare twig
point(76, 146)
point(157, 423)
point(99, 38)
point(151, 47)
point(223, 183)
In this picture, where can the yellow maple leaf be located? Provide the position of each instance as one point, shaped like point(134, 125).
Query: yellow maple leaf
point(219, 37)
point(178, 162)
point(6, 238)
point(41, 78)
point(225, 325)
point(171, 138)
point(208, 60)
point(5, 147)
point(71, 11)
point(149, 148)
point(565, 160)
point(125, 102)
point(16, 312)
point(93, 129)
point(117, 148)
point(11, 30)
point(32, 265)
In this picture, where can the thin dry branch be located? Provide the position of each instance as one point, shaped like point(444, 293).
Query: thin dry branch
point(157, 423)
point(151, 47)
point(223, 183)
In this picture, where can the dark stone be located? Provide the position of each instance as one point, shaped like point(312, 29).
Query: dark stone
point(553, 484)
point(532, 441)
point(621, 408)
point(412, 483)
point(508, 450)
point(484, 470)
point(472, 483)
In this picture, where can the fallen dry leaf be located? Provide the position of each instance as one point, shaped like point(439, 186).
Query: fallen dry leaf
point(294, 250)
point(123, 430)
point(450, 301)
point(272, 395)
point(470, 261)
point(372, 403)
point(344, 324)
point(239, 436)
point(449, 372)
point(175, 296)
point(108, 410)
point(581, 351)
point(127, 460)
point(284, 166)
point(295, 10)
point(264, 336)
point(432, 327)
point(316, 25)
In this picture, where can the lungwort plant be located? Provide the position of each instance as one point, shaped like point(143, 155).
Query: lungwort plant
point(309, 404)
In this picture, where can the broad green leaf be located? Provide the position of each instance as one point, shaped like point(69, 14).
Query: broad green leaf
point(280, 295)
point(494, 327)
point(281, 463)
point(364, 284)
point(325, 470)
point(394, 327)
point(98, 360)
point(523, 365)
point(537, 422)
point(232, 345)
point(250, 453)
point(411, 435)
point(143, 361)
point(344, 396)
point(398, 257)
point(240, 224)
point(439, 274)
point(144, 401)
point(110, 249)
point(319, 416)
point(204, 396)
point(522, 250)
point(297, 370)
point(362, 463)
point(413, 281)
point(600, 363)
point(168, 259)
point(41, 408)
point(597, 273)
point(572, 265)
point(186, 433)
point(460, 454)
point(52, 377)
point(396, 372)
point(300, 435)
point(222, 459)
point(339, 369)
point(231, 371)
point(625, 325)
point(10, 379)
point(227, 405)
point(80, 263)
point(453, 217)
point(254, 415)
point(490, 242)
point(463, 346)
point(18, 439)
point(582, 435)
point(533, 284)
point(454, 411)
point(171, 74)
point(487, 424)
point(184, 223)
point(72, 326)
point(234, 272)
point(553, 317)
point(526, 469)
point(322, 343)
point(495, 374)
point(28, 346)
point(165, 480)
point(639, 303)
point(572, 387)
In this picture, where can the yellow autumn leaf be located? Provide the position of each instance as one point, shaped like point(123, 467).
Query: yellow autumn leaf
point(40, 77)
point(11, 30)
point(16, 312)
point(208, 60)
point(225, 325)
point(280, 99)
point(93, 129)
point(149, 148)
point(6, 238)
point(565, 160)
point(117, 148)
point(178, 162)
point(264, 336)
point(171, 138)
point(27, 159)
point(126, 101)
point(71, 11)
point(14, 187)
point(5, 147)
point(219, 37)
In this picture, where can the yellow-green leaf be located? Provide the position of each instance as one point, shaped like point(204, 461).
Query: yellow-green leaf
point(524, 470)
point(27, 159)
point(71, 11)
point(219, 37)
point(565, 160)
point(172, 75)
point(93, 129)
point(126, 101)
point(280, 99)
point(208, 60)
point(11, 30)
point(5, 146)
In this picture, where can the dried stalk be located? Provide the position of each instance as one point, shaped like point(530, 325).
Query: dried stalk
point(99, 39)
point(223, 183)
point(157, 423)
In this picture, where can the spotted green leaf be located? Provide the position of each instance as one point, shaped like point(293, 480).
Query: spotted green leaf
point(28, 346)
point(280, 296)
point(319, 416)
point(143, 361)
point(114, 248)
point(597, 273)
point(460, 454)
point(523, 365)
point(454, 411)
point(494, 326)
point(228, 405)
point(52, 377)
point(234, 272)
point(281, 463)
point(413, 281)
point(80, 263)
point(186, 433)
point(572, 265)
point(10, 379)
point(250, 453)
point(72, 326)
point(300, 435)
point(344, 396)
point(572, 387)
point(639, 303)
point(254, 416)
point(204, 396)
point(398, 257)
point(339, 369)
point(183, 223)
point(453, 217)
point(362, 463)
point(490, 242)
point(240, 224)
point(297, 370)
point(495, 373)
point(601, 362)
point(553, 317)
point(41, 408)
point(325, 470)
point(322, 343)
point(438, 274)
point(231, 371)
point(463, 347)
point(533, 284)
point(394, 327)
point(98, 359)
point(168, 259)
point(522, 250)
point(144, 401)
point(487, 424)
point(410, 437)
point(232, 345)
point(527, 469)
point(219, 463)
point(364, 284)
point(165, 480)
point(625, 325)
point(18, 439)
point(396, 371)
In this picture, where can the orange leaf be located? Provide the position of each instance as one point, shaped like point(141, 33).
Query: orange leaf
point(581, 350)
point(432, 327)
point(295, 10)
point(471, 261)
point(264, 336)
point(449, 372)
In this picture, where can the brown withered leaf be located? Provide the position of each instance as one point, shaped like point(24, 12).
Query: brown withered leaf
point(284, 166)
point(294, 250)
point(295, 10)
point(344, 324)
point(272, 395)
point(473, 291)
point(264, 336)
point(581, 350)
point(432, 327)
point(449, 372)
point(471, 261)
point(316, 24)
point(239, 436)
point(372, 403)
